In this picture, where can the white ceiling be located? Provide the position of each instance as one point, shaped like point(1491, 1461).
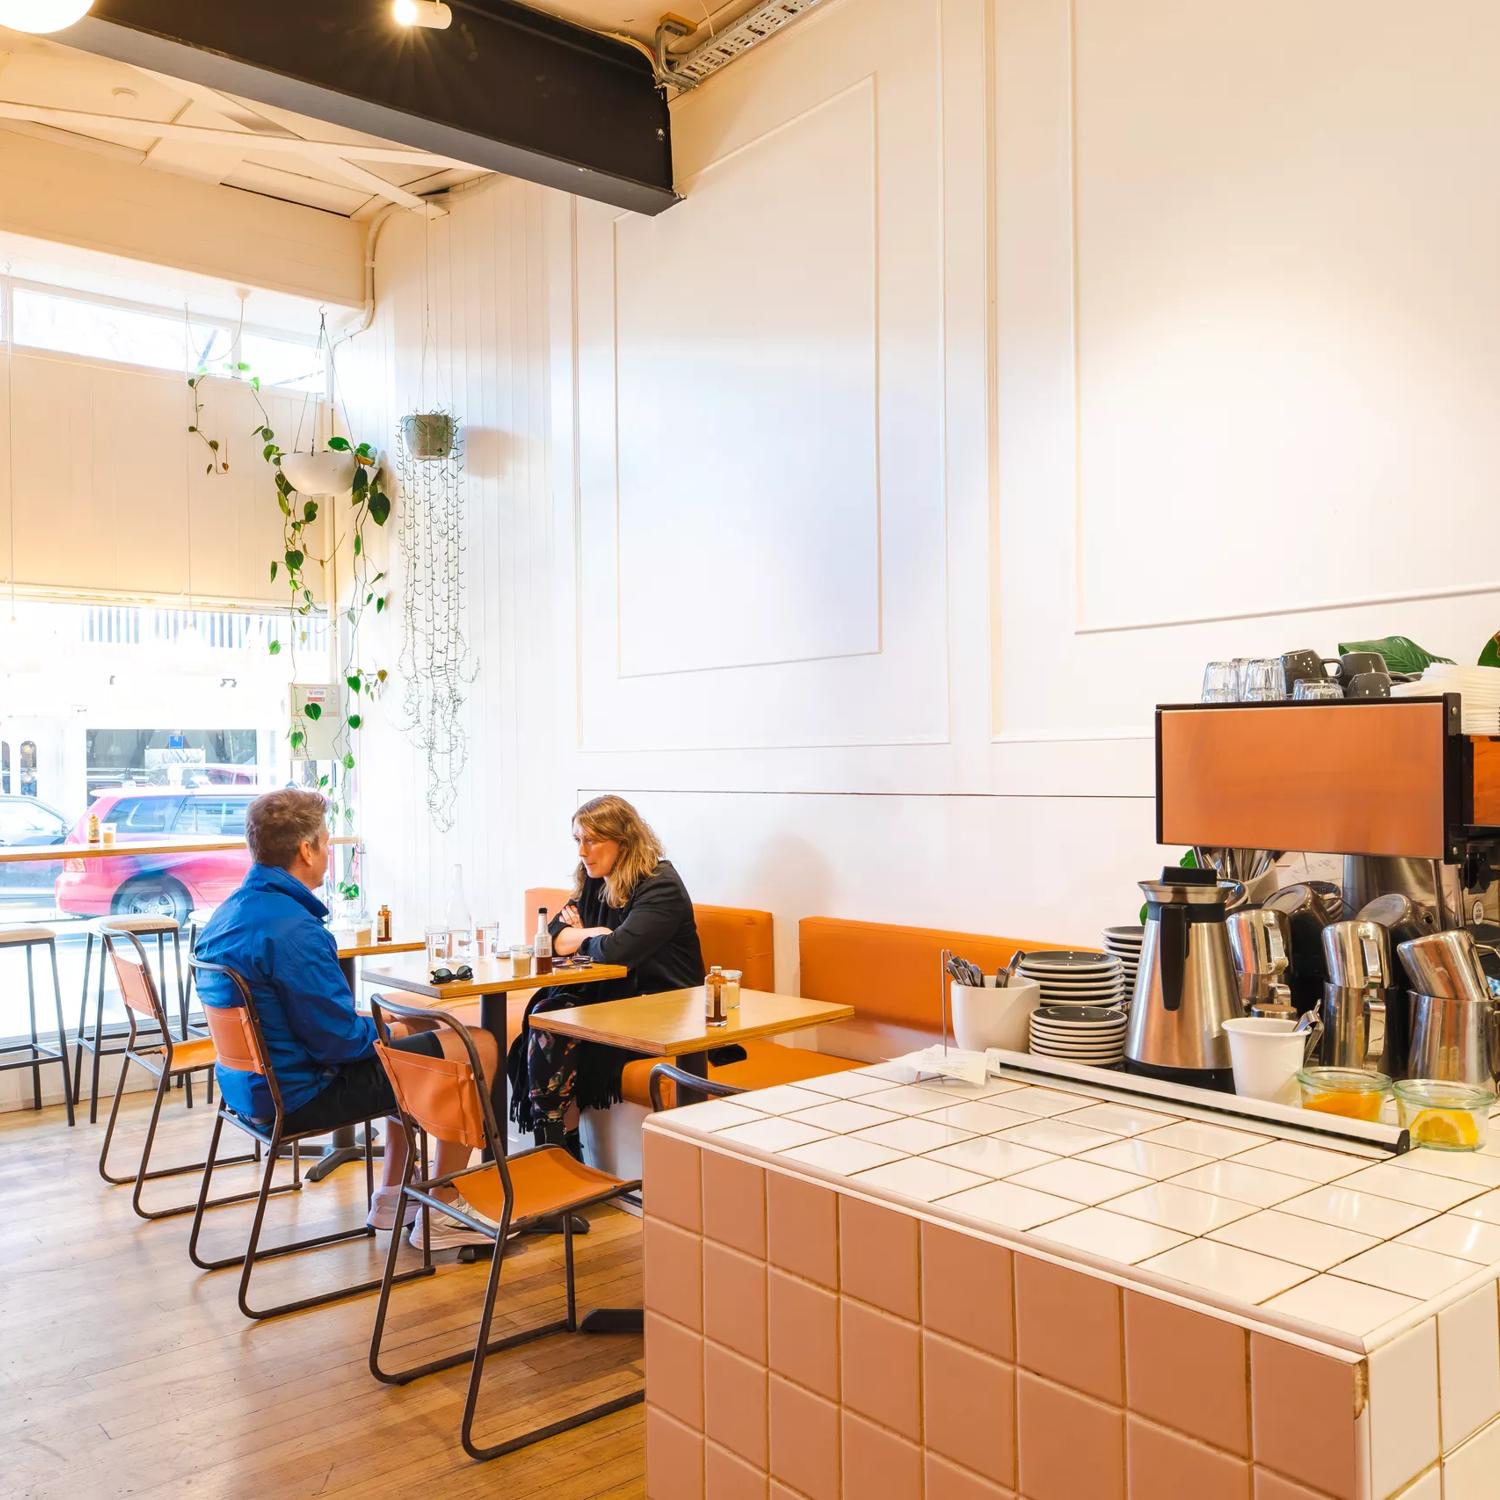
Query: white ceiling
point(162, 124)
point(639, 19)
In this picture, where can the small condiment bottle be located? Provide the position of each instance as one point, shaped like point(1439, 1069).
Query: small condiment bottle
point(713, 997)
point(383, 925)
point(93, 828)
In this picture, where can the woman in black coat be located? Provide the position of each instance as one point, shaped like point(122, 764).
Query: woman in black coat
point(629, 907)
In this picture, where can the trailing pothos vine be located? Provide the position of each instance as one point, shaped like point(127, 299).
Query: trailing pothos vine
point(369, 503)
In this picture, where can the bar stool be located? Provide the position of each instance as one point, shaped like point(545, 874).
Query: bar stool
point(197, 920)
point(158, 927)
point(32, 938)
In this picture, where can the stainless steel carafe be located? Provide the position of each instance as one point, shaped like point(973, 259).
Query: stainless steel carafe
point(1454, 1040)
point(1260, 940)
point(1186, 986)
point(1358, 955)
point(1309, 907)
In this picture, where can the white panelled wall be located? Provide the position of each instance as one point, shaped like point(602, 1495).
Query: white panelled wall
point(1005, 361)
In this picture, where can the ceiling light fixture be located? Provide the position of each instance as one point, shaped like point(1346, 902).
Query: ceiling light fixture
point(38, 16)
point(432, 14)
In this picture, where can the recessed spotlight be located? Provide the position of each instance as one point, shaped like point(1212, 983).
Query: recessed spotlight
point(432, 14)
point(38, 16)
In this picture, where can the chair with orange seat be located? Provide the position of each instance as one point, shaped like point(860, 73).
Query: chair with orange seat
point(236, 1034)
point(167, 1058)
point(449, 1099)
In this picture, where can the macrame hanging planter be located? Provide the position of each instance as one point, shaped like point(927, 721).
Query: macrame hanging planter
point(435, 666)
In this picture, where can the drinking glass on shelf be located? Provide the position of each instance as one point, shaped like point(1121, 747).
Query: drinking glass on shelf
point(1307, 690)
point(439, 945)
point(1220, 683)
point(1264, 680)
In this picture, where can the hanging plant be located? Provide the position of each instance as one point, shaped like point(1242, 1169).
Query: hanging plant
point(429, 435)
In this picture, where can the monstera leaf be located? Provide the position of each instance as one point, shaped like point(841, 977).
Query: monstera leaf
point(1401, 653)
point(1490, 656)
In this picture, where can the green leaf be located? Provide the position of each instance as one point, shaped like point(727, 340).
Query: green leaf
point(209, 469)
point(379, 605)
point(359, 545)
point(338, 444)
point(255, 382)
point(192, 382)
point(242, 365)
point(365, 451)
point(286, 509)
point(293, 558)
point(323, 780)
point(348, 762)
point(380, 507)
point(297, 739)
point(361, 481)
point(214, 444)
point(355, 720)
point(309, 512)
point(354, 683)
point(312, 711)
point(192, 429)
point(274, 566)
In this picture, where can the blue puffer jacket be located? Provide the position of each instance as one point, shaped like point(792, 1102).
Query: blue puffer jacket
point(271, 933)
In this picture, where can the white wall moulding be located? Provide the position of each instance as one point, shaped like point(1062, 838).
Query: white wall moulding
point(760, 411)
point(758, 516)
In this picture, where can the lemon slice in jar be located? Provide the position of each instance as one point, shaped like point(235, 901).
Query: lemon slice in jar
point(1444, 1127)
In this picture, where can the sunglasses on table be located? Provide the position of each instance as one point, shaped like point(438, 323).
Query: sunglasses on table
point(447, 976)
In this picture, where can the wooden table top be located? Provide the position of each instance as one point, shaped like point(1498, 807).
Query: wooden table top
point(492, 976)
point(673, 1022)
point(350, 947)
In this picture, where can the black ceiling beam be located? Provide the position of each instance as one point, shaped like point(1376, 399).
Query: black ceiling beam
point(505, 87)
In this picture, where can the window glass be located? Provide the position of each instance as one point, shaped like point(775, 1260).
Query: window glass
point(279, 362)
point(4, 767)
point(200, 815)
point(234, 816)
point(27, 777)
point(26, 819)
point(142, 814)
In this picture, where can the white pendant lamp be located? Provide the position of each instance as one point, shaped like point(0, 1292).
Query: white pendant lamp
point(39, 16)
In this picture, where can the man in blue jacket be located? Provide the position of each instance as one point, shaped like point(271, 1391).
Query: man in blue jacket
point(272, 932)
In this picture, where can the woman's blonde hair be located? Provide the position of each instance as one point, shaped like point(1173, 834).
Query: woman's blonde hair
point(611, 817)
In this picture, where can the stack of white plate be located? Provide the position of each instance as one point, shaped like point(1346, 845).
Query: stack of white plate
point(1079, 1033)
point(1479, 687)
point(1076, 978)
point(1125, 944)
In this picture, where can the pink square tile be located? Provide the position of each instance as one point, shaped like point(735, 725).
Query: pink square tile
point(1303, 1406)
point(880, 1369)
point(1165, 1463)
point(803, 1322)
point(1068, 1328)
point(802, 1223)
point(674, 1458)
point(969, 1408)
point(877, 1463)
point(731, 1478)
point(805, 1447)
point(947, 1481)
point(878, 1256)
point(734, 1203)
point(1188, 1371)
point(967, 1290)
point(734, 1300)
point(674, 1370)
point(1069, 1446)
point(674, 1273)
point(735, 1404)
point(670, 1180)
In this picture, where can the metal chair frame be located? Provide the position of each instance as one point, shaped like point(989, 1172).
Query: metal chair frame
point(423, 1191)
point(158, 1058)
point(96, 1044)
point(686, 1082)
point(40, 1056)
point(273, 1138)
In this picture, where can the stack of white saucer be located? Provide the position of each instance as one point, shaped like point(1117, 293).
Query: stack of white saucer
point(1075, 978)
point(1478, 686)
point(1125, 944)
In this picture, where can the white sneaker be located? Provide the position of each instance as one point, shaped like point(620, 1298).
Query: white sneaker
point(449, 1233)
point(382, 1214)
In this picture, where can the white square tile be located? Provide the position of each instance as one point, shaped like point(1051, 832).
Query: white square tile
point(784, 1099)
point(977, 1115)
point(843, 1116)
point(1421, 1188)
point(1041, 1102)
point(1465, 1166)
point(1207, 1140)
point(1469, 1472)
point(955, 1090)
point(1346, 1306)
point(892, 1072)
point(1315, 1163)
point(1301, 1241)
point(1111, 1235)
point(1013, 1207)
point(714, 1114)
point(1079, 1180)
point(773, 1134)
point(1486, 1208)
point(907, 1101)
point(1428, 1487)
point(1336, 1204)
point(850, 1085)
point(1468, 1365)
point(1057, 1136)
point(920, 1177)
point(913, 1135)
point(1180, 1208)
point(1231, 1272)
point(992, 1156)
point(1469, 1239)
point(1405, 1269)
point(844, 1154)
point(1404, 1408)
point(1121, 1119)
point(1227, 1179)
point(1146, 1158)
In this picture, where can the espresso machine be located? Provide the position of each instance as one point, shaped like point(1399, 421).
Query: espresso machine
point(1395, 787)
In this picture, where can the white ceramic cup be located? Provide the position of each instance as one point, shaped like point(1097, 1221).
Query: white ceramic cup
point(985, 1017)
point(1265, 1053)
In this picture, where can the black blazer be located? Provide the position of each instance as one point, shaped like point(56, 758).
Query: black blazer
point(654, 935)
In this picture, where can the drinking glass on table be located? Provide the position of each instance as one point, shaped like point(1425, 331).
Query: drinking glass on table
point(439, 945)
point(1220, 683)
point(487, 940)
point(462, 944)
point(1264, 680)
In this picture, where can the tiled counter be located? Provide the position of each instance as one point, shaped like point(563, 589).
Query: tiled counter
point(867, 1287)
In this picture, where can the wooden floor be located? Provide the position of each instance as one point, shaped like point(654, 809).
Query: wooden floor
point(126, 1371)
